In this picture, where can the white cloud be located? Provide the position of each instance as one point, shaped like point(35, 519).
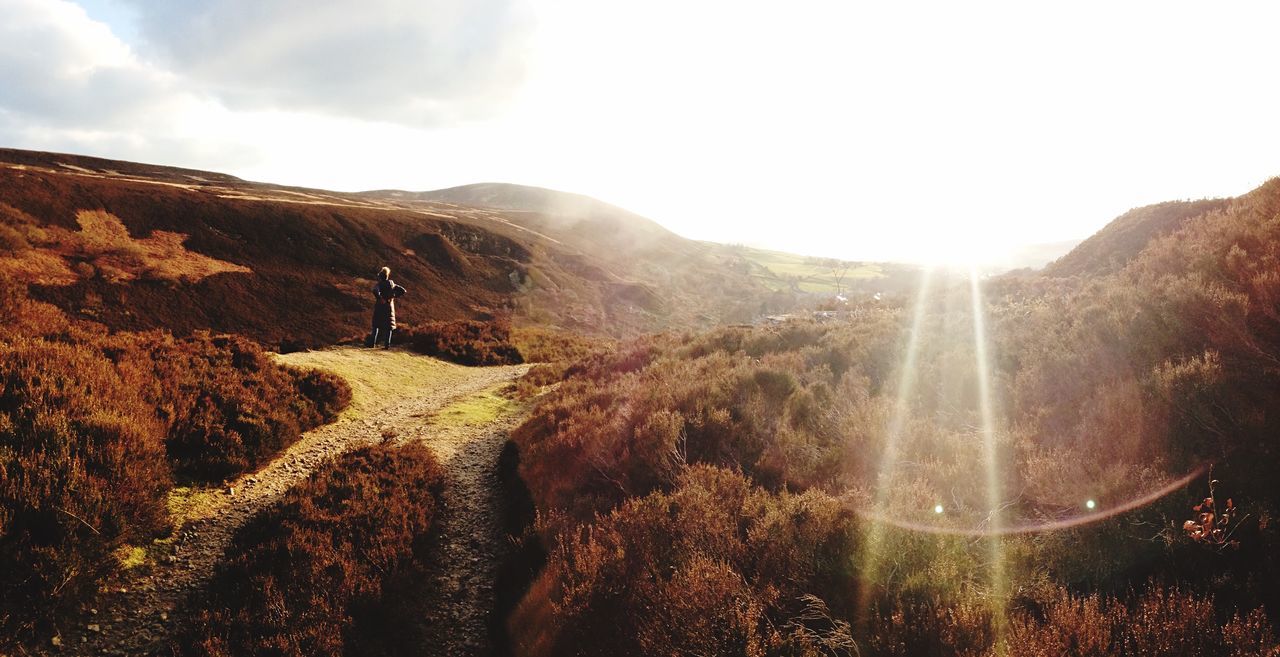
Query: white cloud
point(416, 62)
point(865, 129)
point(58, 67)
point(67, 83)
point(284, 92)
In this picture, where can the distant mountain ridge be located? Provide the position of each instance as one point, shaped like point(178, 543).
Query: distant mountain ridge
point(87, 163)
point(576, 218)
point(522, 198)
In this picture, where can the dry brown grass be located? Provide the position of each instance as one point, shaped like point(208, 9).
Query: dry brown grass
point(103, 247)
point(467, 343)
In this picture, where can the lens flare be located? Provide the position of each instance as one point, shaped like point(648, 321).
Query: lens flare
point(1041, 526)
point(995, 521)
point(991, 457)
point(873, 547)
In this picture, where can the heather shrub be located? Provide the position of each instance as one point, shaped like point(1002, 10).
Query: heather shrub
point(316, 574)
point(464, 342)
point(1157, 621)
point(543, 345)
point(12, 241)
point(24, 318)
point(329, 393)
point(913, 627)
point(226, 406)
point(626, 423)
point(82, 471)
point(718, 566)
point(1104, 389)
point(92, 426)
point(538, 377)
point(1153, 620)
point(554, 353)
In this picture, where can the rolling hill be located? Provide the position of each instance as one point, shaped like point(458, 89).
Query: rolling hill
point(138, 246)
point(587, 223)
point(547, 210)
point(799, 486)
point(1111, 248)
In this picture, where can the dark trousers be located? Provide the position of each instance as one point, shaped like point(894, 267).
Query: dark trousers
point(383, 335)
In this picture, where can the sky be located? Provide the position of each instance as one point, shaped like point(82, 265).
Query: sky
point(917, 131)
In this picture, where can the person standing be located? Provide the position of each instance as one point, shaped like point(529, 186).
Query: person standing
point(385, 293)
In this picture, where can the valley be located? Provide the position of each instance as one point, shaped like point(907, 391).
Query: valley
point(596, 437)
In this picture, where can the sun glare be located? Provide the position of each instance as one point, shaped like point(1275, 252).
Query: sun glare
point(961, 250)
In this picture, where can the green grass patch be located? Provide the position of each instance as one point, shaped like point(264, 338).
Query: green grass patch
point(376, 375)
point(478, 409)
point(190, 503)
point(131, 556)
point(775, 268)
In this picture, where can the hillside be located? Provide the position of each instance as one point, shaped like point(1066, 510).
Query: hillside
point(1120, 241)
point(137, 246)
point(1016, 466)
point(653, 251)
point(549, 209)
point(1004, 465)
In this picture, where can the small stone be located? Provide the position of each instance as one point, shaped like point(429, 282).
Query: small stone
point(231, 490)
point(124, 590)
point(56, 641)
point(93, 612)
point(164, 616)
point(93, 627)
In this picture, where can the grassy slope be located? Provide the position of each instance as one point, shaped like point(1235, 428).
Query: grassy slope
point(376, 374)
point(311, 255)
point(814, 277)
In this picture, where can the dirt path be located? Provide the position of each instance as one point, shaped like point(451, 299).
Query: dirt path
point(468, 440)
point(397, 396)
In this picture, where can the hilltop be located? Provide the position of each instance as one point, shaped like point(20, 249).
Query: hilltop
point(549, 209)
point(138, 246)
point(589, 223)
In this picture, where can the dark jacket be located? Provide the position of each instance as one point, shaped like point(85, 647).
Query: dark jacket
point(385, 294)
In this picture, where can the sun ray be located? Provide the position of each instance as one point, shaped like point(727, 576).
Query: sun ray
point(995, 493)
point(872, 549)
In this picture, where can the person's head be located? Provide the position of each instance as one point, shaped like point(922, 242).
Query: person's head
point(384, 273)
